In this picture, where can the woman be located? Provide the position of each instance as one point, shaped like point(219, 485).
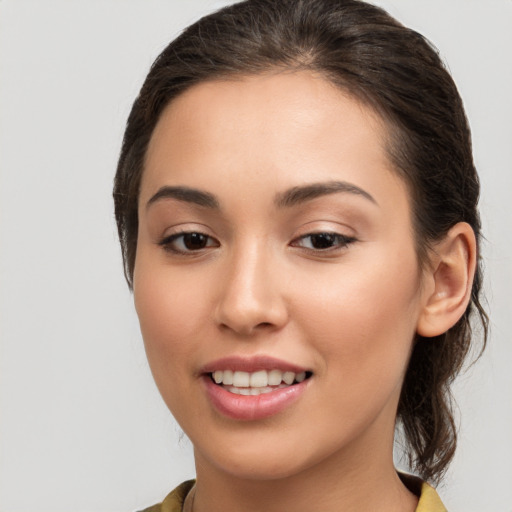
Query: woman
point(297, 207)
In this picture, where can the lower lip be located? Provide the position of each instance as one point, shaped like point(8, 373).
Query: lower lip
point(252, 407)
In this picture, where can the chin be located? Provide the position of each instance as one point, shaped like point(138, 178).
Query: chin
point(264, 458)
point(261, 468)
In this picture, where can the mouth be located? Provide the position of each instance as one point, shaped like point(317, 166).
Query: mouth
point(254, 388)
point(257, 383)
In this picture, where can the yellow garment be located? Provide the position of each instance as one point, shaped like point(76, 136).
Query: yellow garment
point(174, 500)
point(429, 499)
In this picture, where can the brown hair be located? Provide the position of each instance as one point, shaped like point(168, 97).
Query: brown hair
point(396, 71)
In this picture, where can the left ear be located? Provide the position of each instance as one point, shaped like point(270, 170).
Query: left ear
point(453, 264)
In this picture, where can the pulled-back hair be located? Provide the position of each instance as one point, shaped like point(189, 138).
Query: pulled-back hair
point(399, 74)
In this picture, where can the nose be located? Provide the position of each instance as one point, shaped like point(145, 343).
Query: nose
point(251, 299)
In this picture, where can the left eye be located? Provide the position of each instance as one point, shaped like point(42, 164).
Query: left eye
point(323, 241)
point(188, 242)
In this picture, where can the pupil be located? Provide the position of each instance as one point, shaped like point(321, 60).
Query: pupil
point(194, 241)
point(322, 240)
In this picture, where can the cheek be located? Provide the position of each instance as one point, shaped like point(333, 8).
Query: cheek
point(171, 320)
point(362, 318)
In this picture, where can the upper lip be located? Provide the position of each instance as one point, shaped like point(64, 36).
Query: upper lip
point(251, 364)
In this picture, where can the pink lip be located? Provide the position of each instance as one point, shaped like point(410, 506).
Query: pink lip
point(251, 364)
point(242, 407)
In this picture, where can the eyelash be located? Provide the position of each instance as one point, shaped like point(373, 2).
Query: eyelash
point(168, 243)
point(336, 241)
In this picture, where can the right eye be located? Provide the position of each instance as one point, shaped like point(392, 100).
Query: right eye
point(188, 242)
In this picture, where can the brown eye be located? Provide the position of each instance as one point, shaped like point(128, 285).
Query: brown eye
point(195, 241)
point(323, 241)
point(188, 242)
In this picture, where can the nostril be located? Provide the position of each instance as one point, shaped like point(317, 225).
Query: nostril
point(264, 324)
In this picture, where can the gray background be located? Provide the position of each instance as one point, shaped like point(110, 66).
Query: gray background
point(82, 427)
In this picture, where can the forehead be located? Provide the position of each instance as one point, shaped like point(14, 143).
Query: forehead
point(295, 127)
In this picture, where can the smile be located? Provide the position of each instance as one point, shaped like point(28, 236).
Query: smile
point(254, 388)
point(257, 383)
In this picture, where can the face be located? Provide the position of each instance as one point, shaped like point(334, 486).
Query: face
point(276, 279)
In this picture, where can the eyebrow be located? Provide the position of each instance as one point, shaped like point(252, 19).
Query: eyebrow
point(186, 194)
point(286, 199)
point(301, 194)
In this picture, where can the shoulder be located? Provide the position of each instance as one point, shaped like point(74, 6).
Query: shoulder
point(174, 500)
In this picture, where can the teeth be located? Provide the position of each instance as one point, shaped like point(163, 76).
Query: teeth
point(289, 377)
point(259, 380)
point(227, 378)
point(223, 377)
point(241, 379)
point(253, 391)
point(300, 376)
point(275, 377)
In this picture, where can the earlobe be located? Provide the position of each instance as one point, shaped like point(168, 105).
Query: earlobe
point(452, 271)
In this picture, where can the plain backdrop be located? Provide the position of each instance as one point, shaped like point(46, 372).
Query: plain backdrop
point(82, 426)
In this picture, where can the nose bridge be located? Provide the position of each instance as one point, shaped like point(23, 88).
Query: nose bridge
point(250, 296)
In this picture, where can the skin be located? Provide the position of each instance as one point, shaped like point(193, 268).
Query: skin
point(348, 313)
